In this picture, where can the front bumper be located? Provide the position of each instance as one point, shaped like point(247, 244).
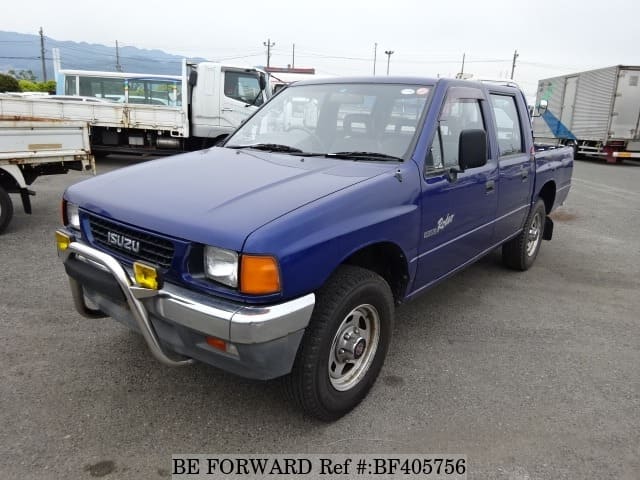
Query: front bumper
point(260, 341)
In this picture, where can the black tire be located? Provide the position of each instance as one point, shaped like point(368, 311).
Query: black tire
point(518, 253)
point(309, 385)
point(6, 209)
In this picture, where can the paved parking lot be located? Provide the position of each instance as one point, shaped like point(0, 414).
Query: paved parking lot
point(532, 375)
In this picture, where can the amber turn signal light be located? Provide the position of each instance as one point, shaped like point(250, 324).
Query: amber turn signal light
point(217, 343)
point(259, 275)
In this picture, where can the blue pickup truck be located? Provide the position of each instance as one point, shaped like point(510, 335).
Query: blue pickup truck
point(284, 251)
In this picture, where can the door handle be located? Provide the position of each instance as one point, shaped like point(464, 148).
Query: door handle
point(227, 110)
point(524, 173)
point(490, 186)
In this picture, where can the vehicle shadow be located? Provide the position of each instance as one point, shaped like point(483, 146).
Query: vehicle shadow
point(627, 162)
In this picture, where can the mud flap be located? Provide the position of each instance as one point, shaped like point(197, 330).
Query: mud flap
point(548, 229)
point(25, 195)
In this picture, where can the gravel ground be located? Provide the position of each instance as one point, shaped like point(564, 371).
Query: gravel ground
point(531, 375)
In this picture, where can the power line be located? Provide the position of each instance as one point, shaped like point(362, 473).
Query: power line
point(259, 54)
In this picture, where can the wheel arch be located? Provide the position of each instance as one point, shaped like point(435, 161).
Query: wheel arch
point(548, 195)
point(387, 260)
point(11, 178)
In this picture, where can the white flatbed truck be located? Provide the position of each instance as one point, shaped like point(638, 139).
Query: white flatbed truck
point(35, 147)
point(203, 105)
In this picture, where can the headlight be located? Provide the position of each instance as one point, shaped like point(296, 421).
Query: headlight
point(73, 216)
point(221, 265)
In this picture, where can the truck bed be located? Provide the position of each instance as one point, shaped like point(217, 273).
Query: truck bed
point(554, 163)
point(32, 148)
point(42, 141)
point(115, 115)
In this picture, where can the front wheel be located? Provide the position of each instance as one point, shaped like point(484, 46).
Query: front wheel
point(344, 346)
point(520, 252)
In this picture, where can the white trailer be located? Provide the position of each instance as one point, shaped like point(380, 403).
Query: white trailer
point(31, 148)
point(597, 112)
point(200, 107)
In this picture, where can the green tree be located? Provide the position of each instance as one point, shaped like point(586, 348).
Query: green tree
point(8, 83)
point(29, 86)
point(48, 86)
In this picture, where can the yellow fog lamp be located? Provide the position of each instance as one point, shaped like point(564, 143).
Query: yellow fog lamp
point(146, 276)
point(62, 241)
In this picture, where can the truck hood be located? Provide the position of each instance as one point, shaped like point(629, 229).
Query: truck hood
point(216, 196)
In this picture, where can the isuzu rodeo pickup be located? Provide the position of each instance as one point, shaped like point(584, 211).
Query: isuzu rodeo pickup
point(284, 251)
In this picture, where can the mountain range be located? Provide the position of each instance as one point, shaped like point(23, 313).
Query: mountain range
point(20, 51)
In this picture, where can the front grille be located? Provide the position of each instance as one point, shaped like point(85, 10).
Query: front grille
point(152, 249)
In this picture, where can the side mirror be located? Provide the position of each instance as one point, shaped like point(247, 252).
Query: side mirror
point(263, 81)
point(193, 78)
point(472, 151)
point(542, 107)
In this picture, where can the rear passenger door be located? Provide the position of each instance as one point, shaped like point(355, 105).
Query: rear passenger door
point(458, 209)
point(515, 163)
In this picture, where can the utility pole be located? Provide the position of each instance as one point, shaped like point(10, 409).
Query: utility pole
point(375, 55)
point(269, 44)
point(462, 69)
point(44, 67)
point(513, 65)
point(293, 57)
point(118, 66)
point(388, 53)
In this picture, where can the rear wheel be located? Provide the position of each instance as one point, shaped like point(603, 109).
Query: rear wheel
point(6, 209)
point(344, 346)
point(520, 252)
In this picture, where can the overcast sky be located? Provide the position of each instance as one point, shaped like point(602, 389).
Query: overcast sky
point(337, 37)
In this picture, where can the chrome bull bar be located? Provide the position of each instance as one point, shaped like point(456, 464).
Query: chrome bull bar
point(132, 293)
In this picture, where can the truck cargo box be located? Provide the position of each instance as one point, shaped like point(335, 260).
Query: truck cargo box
point(597, 111)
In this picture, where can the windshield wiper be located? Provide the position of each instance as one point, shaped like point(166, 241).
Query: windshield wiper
point(269, 147)
point(364, 156)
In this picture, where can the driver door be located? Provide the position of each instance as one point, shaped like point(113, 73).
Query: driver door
point(239, 91)
point(458, 209)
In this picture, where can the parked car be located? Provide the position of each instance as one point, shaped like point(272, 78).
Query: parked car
point(285, 251)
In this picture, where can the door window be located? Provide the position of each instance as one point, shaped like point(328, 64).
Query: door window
point(507, 123)
point(244, 87)
point(458, 114)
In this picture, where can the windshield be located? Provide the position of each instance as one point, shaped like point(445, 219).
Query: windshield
point(370, 120)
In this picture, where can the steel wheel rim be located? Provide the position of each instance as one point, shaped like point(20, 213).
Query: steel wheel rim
point(358, 333)
point(533, 237)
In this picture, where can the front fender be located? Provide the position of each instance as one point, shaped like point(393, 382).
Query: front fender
point(312, 241)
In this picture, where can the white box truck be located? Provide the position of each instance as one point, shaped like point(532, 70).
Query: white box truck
point(596, 112)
